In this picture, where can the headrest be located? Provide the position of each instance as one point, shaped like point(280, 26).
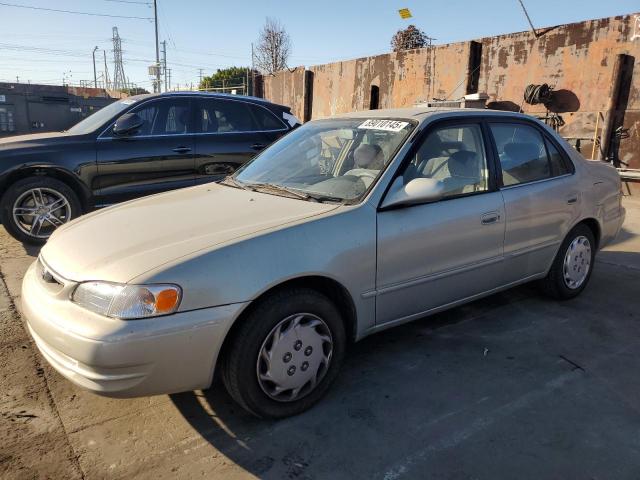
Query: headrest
point(463, 164)
point(369, 155)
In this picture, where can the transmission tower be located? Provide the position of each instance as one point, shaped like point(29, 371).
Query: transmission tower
point(119, 79)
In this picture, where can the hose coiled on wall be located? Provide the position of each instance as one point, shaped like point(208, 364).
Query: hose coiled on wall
point(535, 94)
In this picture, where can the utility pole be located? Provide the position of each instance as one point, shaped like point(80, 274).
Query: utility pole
point(95, 76)
point(200, 72)
point(155, 17)
point(169, 79)
point(17, 79)
point(253, 69)
point(164, 64)
point(106, 71)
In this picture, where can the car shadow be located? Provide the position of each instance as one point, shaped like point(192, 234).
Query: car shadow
point(354, 406)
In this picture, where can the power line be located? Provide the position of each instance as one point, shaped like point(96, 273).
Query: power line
point(129, 1)
point(72, 11)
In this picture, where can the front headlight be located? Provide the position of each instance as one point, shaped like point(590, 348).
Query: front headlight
point(127, 301)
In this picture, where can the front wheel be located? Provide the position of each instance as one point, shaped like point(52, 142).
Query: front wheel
point(573, 265)
point(286, 353)
point(32, 208)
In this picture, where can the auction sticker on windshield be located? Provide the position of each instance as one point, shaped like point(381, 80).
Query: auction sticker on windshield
point(388, 125)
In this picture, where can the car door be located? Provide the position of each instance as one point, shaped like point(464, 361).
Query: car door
point(230, 132)
point(157, 157)
point(434, 254)
point(541, 196)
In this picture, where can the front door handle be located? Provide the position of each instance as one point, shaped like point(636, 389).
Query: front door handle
point(182, 149)
point(572, 200)
point(258, 146)
point(489, 218)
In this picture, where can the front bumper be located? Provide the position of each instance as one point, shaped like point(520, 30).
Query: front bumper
point(124, 358)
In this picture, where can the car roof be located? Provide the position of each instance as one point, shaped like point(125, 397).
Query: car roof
point(422, 113)
point(227, 96)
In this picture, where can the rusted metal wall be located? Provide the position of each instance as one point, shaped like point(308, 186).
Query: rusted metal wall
point(403, 78)
point(575, 59)
point(287, 88)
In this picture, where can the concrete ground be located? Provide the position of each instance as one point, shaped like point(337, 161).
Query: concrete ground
point(512, 386)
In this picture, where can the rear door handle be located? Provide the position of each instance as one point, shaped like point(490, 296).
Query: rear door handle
point(572, 200)
point(489, 218)
point(258, 146)
point(182, 149)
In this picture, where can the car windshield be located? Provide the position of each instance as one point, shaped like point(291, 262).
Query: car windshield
point(327, 160)
point(102, 116)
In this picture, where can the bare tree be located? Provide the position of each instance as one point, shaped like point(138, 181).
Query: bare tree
point(274, 47)
point(408, 39)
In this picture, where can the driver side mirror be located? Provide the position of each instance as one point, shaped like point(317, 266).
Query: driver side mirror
point(418, 190)
point(127, 124)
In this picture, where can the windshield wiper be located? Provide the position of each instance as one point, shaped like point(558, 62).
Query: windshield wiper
point(319, 197)
point(232, 182)
point(278, 188)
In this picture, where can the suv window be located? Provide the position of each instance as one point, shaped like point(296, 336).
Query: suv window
point(454, 155)
point(523, 154)
point(264, 119)
point(164, 117)
point(225, 116)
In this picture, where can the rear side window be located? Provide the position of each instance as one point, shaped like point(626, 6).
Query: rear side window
point(265, 120)
point(224, 116)
point(558, 164)
point(523, 154)
point(234, 116)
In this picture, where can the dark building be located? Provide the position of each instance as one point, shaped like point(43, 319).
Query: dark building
point(30, 108)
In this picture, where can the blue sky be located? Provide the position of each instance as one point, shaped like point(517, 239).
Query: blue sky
point(45, 46)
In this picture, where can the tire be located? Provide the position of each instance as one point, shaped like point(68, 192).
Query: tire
point(564, 284)
point(20, 203)
point(243, 363)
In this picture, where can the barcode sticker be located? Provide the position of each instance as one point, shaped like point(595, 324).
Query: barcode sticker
point(388, 125)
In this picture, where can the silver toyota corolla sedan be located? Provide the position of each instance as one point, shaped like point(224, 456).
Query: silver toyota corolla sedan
point(343, 228)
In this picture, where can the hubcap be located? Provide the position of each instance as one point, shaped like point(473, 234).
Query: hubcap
point(294, 357)
point(577, 262)
point(39, 211)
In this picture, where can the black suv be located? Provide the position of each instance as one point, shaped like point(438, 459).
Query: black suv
point(133, 147)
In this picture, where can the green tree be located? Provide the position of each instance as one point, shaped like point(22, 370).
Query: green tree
point(226, 77)
point(133, 91)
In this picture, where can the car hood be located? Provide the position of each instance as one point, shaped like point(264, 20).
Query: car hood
point(33, 140)
point(122, 242)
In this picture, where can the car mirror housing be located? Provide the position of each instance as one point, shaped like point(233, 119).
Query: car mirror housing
point(127, 124)
point(418, 190)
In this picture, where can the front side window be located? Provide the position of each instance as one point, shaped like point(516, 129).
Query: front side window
point(164, 117)
point(523, 154)
point(455, 156)
point(338, 158)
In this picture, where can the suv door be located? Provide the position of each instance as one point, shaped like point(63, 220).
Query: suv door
point(435, 254)
point(157, 157)
point(229, 133)
point(541, 196)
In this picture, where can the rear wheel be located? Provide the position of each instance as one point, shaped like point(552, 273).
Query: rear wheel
point(32, 208)
point(286, 353)
point(573, 265)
